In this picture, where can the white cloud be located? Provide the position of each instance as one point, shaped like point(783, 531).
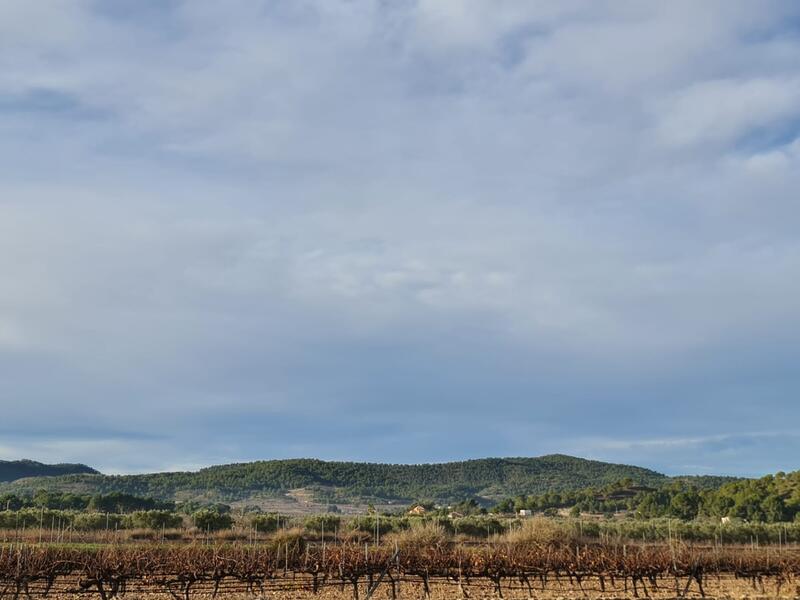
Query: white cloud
point(726, 110)
point(254, 208)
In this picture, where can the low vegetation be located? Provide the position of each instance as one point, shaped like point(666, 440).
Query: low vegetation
point(34, 524)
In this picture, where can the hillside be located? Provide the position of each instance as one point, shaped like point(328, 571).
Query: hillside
point(11, 470)
point(771, 499)
point(706, 482)
point(490, 479)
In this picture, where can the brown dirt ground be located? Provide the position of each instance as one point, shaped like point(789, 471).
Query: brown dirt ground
point(299, 588)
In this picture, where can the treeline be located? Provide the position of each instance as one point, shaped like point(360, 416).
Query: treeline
point(59, 520)
point(174, 526)
point(339, 482)
point(204, 519)
point(114, 502)
point(209, 520)
point(771, 499)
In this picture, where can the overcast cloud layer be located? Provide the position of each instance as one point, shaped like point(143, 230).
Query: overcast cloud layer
point(400, 231)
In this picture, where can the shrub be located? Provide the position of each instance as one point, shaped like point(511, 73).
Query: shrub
point(290, 540)
point(267, 523)
point(319, 523)
point(477, 526)
point(153, 519)
point(422, 535)
point(384, 524)
point(97, 521)
point(541, 531)
point(210, 520)
point(27, 518)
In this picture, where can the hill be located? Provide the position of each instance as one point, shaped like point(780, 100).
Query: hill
point(340, 482)
point(11, 470)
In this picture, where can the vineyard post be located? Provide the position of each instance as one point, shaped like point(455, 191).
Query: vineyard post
point(669, 531)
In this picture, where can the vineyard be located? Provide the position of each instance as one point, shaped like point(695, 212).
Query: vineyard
point(394, 570)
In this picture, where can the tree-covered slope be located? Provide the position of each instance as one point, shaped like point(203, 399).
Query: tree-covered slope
point(11, 470)
point(772, 499)
point(491, 478)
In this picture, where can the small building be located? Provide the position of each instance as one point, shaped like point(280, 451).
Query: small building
point(524, 512)
point(454, 515)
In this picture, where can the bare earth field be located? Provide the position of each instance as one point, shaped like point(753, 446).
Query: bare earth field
point(300, 587)
point(301, 502)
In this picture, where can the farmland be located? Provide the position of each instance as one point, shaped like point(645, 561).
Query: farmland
point(540, 558)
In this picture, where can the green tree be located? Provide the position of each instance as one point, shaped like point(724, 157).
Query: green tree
point(211, 520)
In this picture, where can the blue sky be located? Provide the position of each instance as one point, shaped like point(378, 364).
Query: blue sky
point(400, 231)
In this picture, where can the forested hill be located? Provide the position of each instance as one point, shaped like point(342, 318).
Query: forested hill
point(491, 479)
point(17, 469)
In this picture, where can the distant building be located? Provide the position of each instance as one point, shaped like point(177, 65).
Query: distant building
point(454, 515)
point(524, 512)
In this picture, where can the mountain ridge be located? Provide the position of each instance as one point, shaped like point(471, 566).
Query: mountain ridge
point(12, 470)
point(344, 481)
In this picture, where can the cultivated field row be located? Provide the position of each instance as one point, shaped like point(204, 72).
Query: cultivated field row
point(527, 569)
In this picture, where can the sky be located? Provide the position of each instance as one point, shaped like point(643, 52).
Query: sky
point(400, 231)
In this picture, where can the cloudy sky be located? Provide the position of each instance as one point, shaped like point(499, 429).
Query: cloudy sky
point(407, 231)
